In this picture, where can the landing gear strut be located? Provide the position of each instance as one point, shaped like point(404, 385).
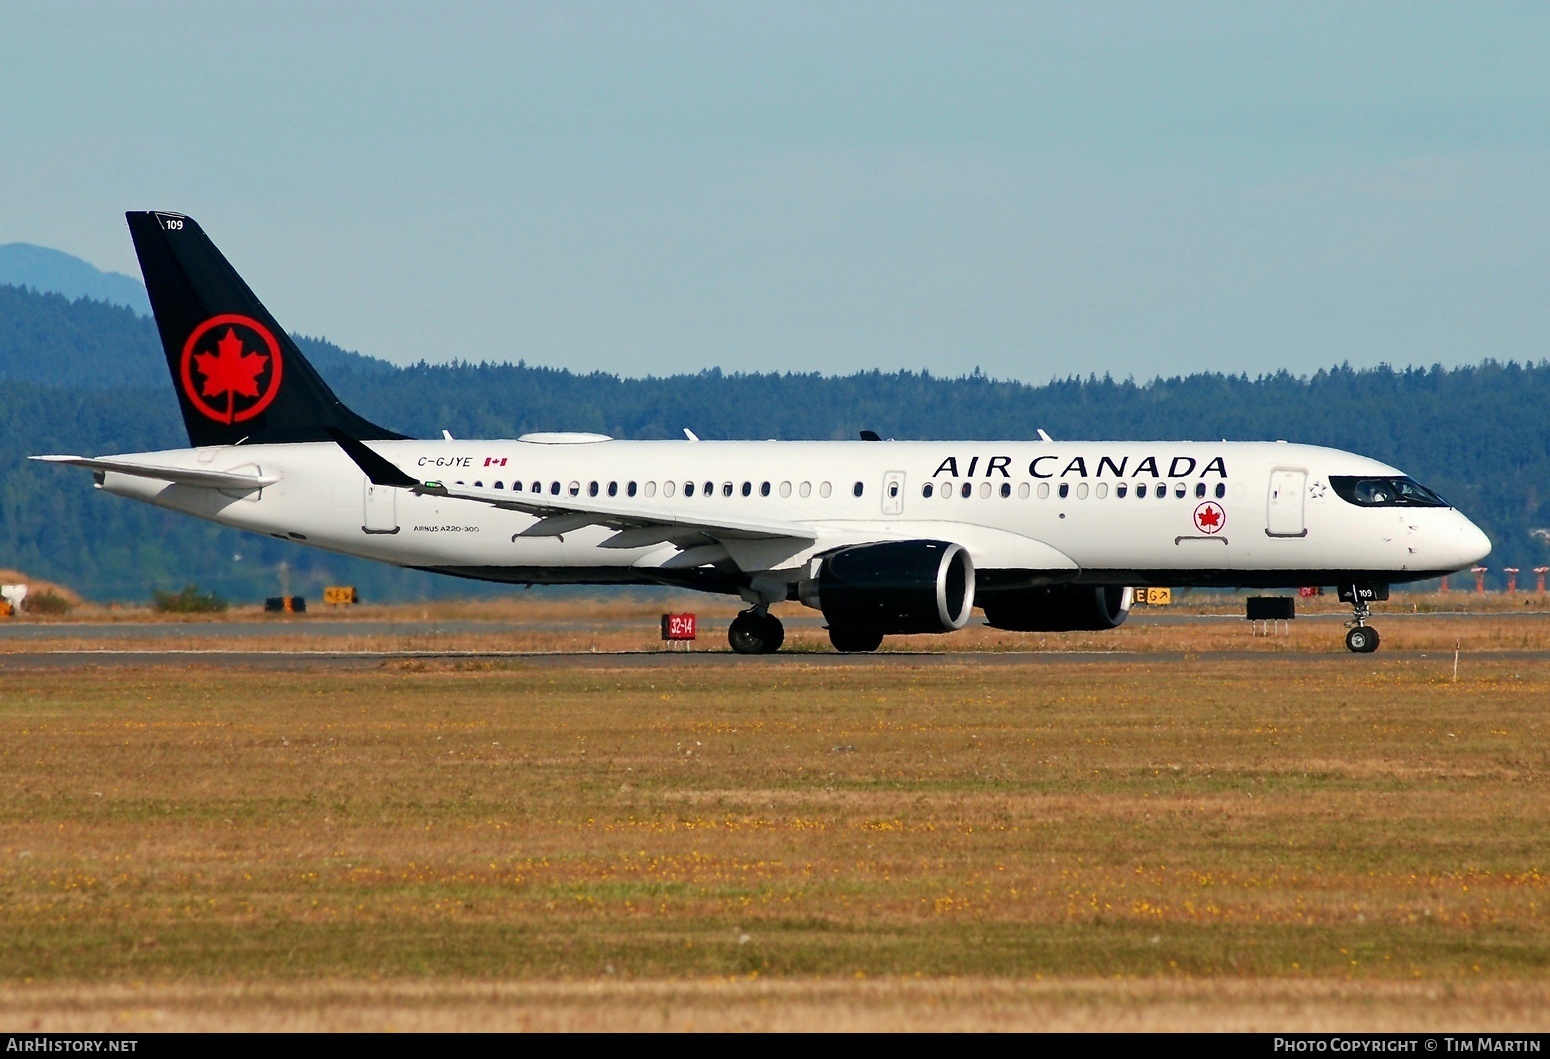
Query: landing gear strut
point(1360, 637)
point(756, 632)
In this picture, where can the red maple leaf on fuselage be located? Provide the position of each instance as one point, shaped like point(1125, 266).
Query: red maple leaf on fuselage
point(1210, 517)
point(230, 370)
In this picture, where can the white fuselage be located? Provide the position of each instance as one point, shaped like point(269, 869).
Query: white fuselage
point(1276, 520)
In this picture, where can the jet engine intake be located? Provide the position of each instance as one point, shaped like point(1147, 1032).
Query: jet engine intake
point(894, 587)
point(1064, 608)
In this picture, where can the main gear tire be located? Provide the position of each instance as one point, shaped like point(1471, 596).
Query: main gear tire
point(756, 634)
point(855, 641)
point(774, 634)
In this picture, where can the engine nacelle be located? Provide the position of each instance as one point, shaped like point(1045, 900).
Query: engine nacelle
point(894, 587)
point(1065, 608)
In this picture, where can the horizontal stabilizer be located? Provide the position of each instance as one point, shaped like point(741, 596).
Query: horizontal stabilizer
point(179, 475)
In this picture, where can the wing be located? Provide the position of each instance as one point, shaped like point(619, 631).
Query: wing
point(178, 475)
point(639, 524)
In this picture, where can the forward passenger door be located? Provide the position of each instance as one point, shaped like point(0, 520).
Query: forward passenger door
point(1284, 507)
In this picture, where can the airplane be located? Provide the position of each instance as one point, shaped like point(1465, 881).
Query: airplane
point(882, 537)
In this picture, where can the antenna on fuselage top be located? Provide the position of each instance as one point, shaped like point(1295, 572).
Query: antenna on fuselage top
point(1043, 436)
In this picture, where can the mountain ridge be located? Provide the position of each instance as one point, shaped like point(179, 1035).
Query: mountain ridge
point(51, 271)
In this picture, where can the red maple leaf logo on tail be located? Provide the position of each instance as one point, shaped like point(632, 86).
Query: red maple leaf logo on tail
point(230, 370)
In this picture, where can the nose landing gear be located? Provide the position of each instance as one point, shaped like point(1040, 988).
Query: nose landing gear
point(1360, 637)
point(756, 632)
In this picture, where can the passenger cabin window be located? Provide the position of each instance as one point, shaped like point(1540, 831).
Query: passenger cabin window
point(726, 488)
point(824, 489)
point(1022, 490)
point(764, 490)
point(592, 489)
point(499, 485)
point(893, 490)
point(668, 489)
point(967, 488)
point(1120, 489)
point(1178, 490)
point(613, 489)
point(748, 489)
point(1140, 489)
point(1221, 490)
point(1384, 492)
point(1081, 490)
point(1006, 489)
point(1200, 490)
point(478, 485)
point(1065, 490)
point(805, 489)
point(1043, 490)
point(538, 487)
point(785, 489)
point(516, 487)
point(1101, 490)
point(925, 490)
point(710, 488)
point(688, 489)
point(575, 489)
point(554, 488)
point(629, 490)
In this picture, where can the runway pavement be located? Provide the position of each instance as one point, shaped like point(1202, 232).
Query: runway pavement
point(329, 627)
point(300, 661)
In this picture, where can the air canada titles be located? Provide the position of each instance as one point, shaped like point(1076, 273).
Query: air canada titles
point(1055, 466)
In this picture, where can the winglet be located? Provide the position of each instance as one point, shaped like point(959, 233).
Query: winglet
point(377, 469)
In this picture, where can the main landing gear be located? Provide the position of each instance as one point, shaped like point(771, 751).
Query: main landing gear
point(1360, 637)
point(854, 641)
point(756, 632)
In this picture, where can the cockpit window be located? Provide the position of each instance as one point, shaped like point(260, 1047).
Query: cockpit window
point(1384, 492)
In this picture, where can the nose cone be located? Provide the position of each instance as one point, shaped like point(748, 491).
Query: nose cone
point(1469, 543)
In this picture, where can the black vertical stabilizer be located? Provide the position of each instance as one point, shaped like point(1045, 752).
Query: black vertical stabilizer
point(238, 375)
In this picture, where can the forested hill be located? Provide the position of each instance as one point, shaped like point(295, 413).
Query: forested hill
point(50, 340)
point(82, 376)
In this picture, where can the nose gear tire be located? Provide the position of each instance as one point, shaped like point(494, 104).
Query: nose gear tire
point(1362, 640)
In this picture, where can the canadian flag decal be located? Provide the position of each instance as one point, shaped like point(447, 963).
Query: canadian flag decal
point(492, 461)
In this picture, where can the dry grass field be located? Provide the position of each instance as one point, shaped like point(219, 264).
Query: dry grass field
point(1258, 843)
point(545, 624)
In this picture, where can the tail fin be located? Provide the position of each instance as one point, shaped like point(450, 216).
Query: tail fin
point(238, 375)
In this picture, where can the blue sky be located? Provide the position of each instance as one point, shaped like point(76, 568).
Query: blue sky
point(1036, 190)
